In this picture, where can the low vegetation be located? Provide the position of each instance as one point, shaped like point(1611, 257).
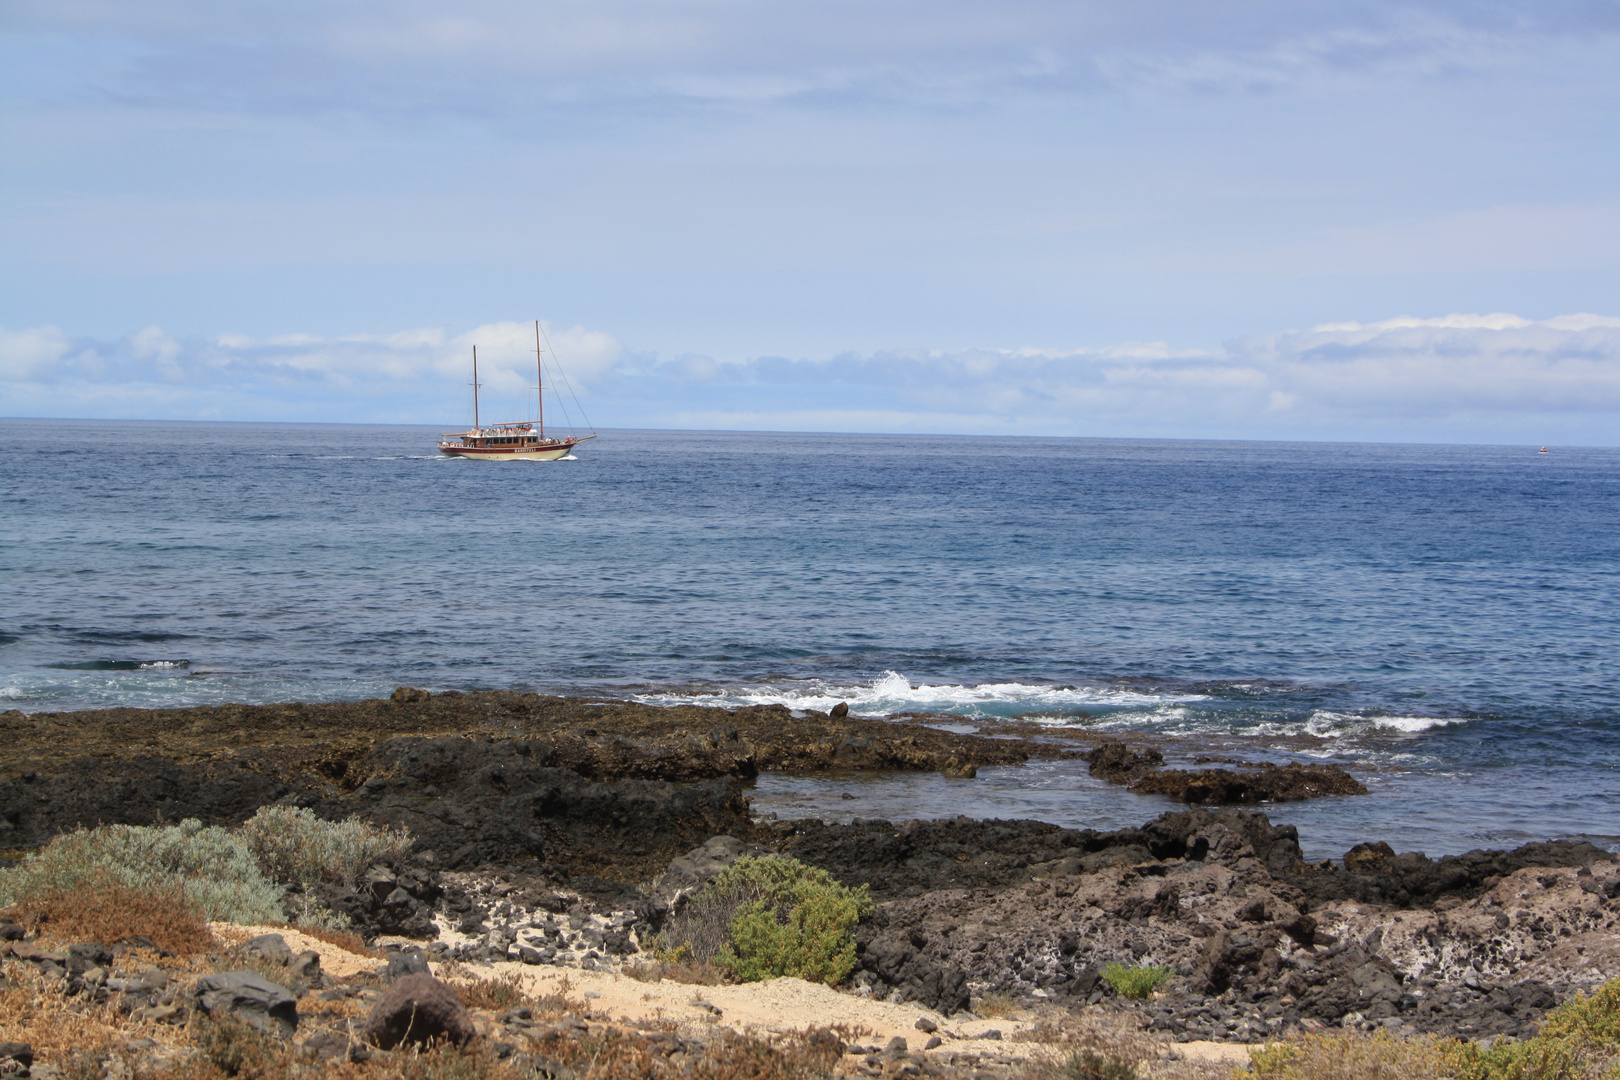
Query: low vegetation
point(1580, 1040)
point(212, 868)
point(1134, 982)
point(292, 845)
point(163, 915)
point(1349, 1057)
point(163, 881)
point(765, 917)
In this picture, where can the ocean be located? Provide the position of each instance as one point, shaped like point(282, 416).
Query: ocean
point(1441, 620)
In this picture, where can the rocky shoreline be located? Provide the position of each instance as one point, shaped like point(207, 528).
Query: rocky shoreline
point(551, 831)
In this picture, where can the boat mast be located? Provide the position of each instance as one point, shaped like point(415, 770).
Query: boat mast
point(475, 387)
point(539, 381)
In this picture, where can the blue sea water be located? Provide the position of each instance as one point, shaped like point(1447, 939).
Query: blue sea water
point(1439, 619)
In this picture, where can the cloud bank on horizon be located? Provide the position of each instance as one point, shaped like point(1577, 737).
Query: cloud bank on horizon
point(714, 186)
point(1463, 378)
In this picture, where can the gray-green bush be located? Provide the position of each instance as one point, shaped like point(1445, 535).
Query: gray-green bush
point(231, 876)
point(213, 868)
point(294, 846)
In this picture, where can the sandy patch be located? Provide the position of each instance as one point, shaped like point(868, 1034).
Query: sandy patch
point(1217, 1052)
point(335, 961)
point(775, 1005)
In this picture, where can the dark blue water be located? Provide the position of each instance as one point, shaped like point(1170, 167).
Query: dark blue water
point(1441, 619)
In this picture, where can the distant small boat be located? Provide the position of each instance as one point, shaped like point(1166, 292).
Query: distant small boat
point(1543, 450)
point(520, 440)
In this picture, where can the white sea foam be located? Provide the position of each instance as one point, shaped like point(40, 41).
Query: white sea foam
point(894, 693)
point(1334, 725)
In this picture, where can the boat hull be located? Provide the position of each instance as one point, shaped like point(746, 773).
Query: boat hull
point(510, 453)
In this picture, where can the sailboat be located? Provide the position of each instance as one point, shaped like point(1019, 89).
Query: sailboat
point(523, 439)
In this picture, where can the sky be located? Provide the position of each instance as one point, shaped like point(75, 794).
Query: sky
point(1273, 219)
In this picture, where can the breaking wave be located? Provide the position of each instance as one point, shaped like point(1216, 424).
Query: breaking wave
point(894, 693)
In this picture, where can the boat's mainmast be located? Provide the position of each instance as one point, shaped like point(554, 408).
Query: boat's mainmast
point(475, 388)
point(539, 381)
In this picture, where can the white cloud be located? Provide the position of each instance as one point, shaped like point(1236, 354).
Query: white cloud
point(26, 355)
point(1488, 377)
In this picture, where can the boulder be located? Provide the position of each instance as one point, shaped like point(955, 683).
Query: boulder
point(272, 947)
point(403, 962)
point(1119, 764)
point(417, 1009)
point(251, 998)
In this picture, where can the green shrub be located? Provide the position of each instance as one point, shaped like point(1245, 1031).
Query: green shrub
point(786, 919)
point(213, 868)
point(294, 846)
point(1134, 982)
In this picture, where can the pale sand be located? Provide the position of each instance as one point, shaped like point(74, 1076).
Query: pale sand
point(776, 1006)
point(336, 962)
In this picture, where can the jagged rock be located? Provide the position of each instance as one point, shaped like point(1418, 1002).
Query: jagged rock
point(273, 947)
point(249, 997)
point(409, 695)
point(1368, 857)
point(19, 1052)
point(417, 1009)
point(1119, 764)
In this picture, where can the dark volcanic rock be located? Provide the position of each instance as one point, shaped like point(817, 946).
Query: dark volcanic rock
point(138, 791)
point(312, 746)
point(249, 997)
point(417, 1009)
point(914, 857)
point(1375, 874)
point(501, 802)
point(1225, 787)
point(1119, 764)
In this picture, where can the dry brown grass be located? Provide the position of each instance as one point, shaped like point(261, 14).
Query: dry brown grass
point(619, 1056)
point(505, 992)
point(109, 913)
point(1349, 1057)
point(36, 1011)
point(997, 1005)
point(695, 974)
point(1081, 1047)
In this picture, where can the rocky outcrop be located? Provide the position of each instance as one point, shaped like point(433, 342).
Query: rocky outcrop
point(1268, 784)
point(1252, 954)
point(1144, 773)
point(467, 802)
point(915, 857)
point(315, 746)
point(1374, 874)
point(1119, 764)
